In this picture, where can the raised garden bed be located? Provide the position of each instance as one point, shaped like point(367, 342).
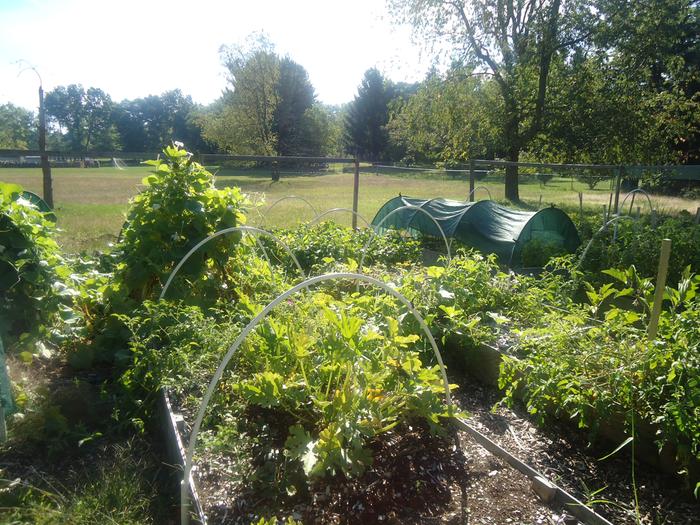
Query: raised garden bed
point(416, 477)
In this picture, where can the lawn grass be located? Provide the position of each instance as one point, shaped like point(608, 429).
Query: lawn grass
point(91, 202)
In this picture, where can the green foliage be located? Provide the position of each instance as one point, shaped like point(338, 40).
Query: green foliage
point(598, 373)
point(638, 243)
point(335, 381)
point(86, 115)
point(367, 116)
point(538, 252)
point(179, 207)
point(270, 108)
point(446, 121)
point(316, 247)
point(341, 378)
point(35, 286)
point(17, 128)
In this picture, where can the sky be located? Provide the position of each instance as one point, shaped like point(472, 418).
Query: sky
point(135, 48)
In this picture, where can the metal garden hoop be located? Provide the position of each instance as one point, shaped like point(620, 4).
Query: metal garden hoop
point(471, 193)
point(243, 229)
point(601, 230)
point(392, 212)
point(288, 197)
point(184, 496)
point(335, 210)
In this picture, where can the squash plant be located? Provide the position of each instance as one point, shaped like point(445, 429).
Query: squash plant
point(35, 288)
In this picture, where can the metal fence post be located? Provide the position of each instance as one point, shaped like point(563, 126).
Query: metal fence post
point(355, 193)
point(617, 189)
point(471, 180)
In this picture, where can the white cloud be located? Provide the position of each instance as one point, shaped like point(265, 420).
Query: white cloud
point(134, 48)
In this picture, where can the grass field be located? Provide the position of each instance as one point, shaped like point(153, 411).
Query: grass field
point(91, 203)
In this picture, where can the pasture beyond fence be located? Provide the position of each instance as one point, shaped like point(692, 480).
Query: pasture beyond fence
point(571, 186)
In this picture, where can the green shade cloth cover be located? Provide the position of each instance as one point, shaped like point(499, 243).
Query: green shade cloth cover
point(484, 225)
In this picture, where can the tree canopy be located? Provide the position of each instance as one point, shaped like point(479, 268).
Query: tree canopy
point(84, 117)
point(366, 134)
point(18, 128)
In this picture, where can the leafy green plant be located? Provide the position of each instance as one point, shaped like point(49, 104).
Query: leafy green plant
point(35, 286)
point(179, 207)
point(318, 246)
point(593, 373)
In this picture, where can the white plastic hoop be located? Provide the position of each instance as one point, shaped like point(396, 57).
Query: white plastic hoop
point(184, 496)
point(601, 230)
point(242, 229)
point(392, 212)
point(477, 188)
point(335, 210)
point(634, 192)
point(288, 197)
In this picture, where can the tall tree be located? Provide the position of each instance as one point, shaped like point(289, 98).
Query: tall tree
point(450, 119)
point(367, 115)
point(512, 40)
point(146, 124)
point(295, 96)
point(83, 116)
point(243, 119)
point(18, 128)
point(270, 107)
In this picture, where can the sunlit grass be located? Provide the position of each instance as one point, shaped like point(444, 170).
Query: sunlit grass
point(91, 203)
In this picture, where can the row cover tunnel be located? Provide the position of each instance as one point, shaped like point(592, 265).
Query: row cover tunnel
point(518, 238)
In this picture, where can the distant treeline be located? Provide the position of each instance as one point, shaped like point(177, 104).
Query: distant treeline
point(603, 82)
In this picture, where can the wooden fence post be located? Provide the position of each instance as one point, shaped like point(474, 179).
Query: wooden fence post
point(605, 214)
point(660, 288)
point(45, 165)
point(471, 180)
point(355, 193)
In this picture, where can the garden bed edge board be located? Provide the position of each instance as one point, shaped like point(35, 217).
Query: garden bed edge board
point(177, 452)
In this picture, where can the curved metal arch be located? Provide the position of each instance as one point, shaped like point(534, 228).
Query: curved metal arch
point(335, 210)
point(288, 197)
point(392, 212)
point(633, 192)
point(601, 230)
point(184, 497)
point(474, 191)
point(243, 229)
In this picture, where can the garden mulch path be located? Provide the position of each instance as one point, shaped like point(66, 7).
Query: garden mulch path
point(563, 455)
point(423, 479)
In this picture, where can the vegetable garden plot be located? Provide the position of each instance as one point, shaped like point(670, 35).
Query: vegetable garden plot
point(413, 434)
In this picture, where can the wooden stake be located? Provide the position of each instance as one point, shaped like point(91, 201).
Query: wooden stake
point(540, 203)
point(639, 211)
point(697, 216)
point(660, 288)
point(355, 193)
point(580, 205)
point(605, 214)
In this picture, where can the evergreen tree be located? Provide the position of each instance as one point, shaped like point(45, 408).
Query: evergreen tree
point(366, 120)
